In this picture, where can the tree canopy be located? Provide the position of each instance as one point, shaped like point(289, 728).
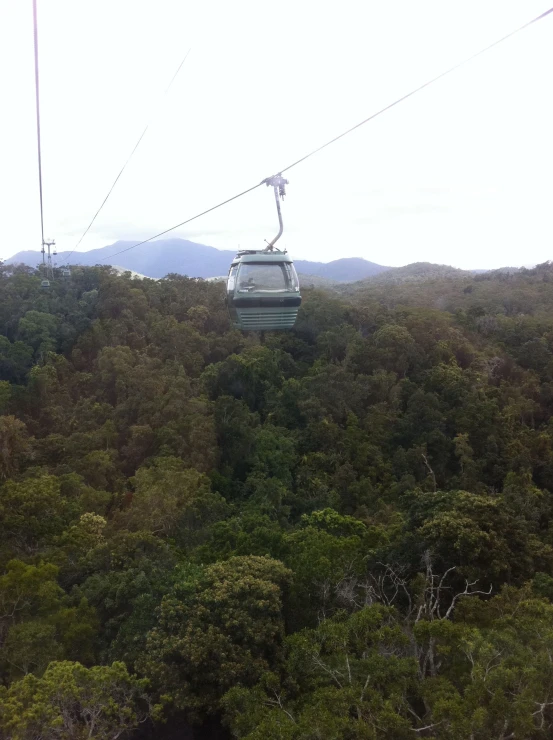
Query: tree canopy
point(341, 532)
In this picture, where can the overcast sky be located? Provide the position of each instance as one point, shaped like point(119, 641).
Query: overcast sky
point(460, 174)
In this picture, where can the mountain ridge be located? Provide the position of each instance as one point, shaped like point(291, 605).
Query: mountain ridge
point(184, 257)
point(195, 260)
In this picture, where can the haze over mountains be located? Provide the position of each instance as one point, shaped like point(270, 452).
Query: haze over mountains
point(166, 256)
point(181, 256)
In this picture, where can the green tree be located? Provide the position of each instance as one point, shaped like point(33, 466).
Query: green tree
point(479, 533)
point(65, 632)
point(325, 555)
point(14, 445)
point(170, 500)
point(346, 679)
point(5, 394)
point(26, 591)
point(222, 626)
point(506, 687)
point(32, 513)
point(124, 576)
point(39, 623)
point(74, 702)
point(15, 359)
point(394, 345)
point(40, 331)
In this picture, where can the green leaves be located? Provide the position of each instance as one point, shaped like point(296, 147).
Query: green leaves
point(38, 623)
point(478, 533)
point(74, 702)
point(174, 502)
point(340, 532)
point(345, 679)
point(32, 513)
point(14, 445)
point(507, 687)
point(221, 627)
point(39, 330)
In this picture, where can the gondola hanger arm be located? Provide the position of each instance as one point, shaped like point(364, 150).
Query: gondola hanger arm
point(278, 183)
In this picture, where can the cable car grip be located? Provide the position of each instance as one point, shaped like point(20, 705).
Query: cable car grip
point(278, 183)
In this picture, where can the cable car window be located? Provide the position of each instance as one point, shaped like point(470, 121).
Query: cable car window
point(232, 278)
point(292, 276)
point(266, 277)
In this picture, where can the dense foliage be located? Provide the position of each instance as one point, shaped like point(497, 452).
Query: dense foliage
point(341, 532)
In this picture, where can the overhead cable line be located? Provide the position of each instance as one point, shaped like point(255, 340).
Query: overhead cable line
point(173, 78)
point(37, 98)
point(203, 213)
point(418, 89)
point(348, 131)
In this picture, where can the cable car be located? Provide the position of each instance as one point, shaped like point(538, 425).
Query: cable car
point(44, 283)
point(263, 291)
point(66, 273)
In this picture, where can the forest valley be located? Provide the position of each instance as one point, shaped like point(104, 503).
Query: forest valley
point(343, 532)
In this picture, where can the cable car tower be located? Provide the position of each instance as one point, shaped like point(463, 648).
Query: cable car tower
point(47, 269)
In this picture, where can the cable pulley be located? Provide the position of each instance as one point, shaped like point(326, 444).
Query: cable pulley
point(278, 182)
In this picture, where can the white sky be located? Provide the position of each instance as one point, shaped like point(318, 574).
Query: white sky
point(460, 174)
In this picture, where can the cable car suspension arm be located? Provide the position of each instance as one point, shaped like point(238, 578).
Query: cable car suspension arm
point(279, 186)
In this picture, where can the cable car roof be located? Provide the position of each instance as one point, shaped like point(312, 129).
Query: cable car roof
point(261, 257)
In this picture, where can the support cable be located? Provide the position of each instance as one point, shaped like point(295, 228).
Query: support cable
point(39, 148)
point(127, 160)
point(345, 133)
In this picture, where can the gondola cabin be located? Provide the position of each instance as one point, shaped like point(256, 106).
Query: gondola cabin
point(263, 291)
point(44, 283)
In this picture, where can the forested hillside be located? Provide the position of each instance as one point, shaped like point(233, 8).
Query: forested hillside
point(343, 532)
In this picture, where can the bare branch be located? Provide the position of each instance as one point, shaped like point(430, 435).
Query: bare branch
point(277, 702)
point(430, 471)
point(427, 727)
point(365, 687)
point(466, 592)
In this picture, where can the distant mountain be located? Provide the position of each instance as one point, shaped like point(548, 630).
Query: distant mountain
point(153, 260)
point(506, 270)
point(181, 256)
point(344, 270)
point(417, 272)
point(316, 281)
